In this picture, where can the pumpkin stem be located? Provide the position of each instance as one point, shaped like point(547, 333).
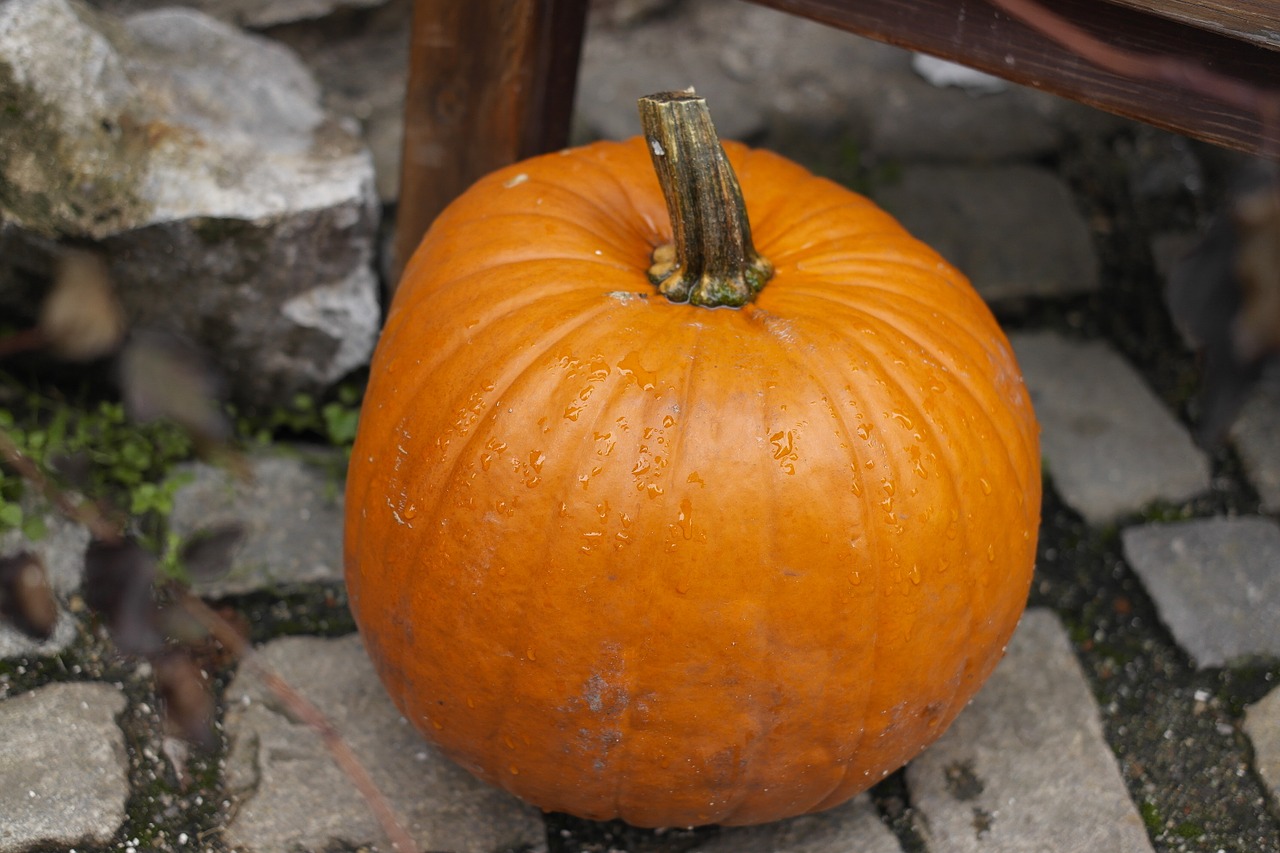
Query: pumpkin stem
point(712, 261)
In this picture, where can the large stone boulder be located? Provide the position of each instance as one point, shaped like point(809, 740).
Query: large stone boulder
point(232, 208)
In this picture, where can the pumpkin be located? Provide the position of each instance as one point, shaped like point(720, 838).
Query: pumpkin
point(659, 558)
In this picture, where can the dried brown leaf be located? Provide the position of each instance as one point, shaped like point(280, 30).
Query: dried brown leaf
point(1257, 266)
point(81, 319)
point(119, 585)
point(167, 378)
point(26, 599)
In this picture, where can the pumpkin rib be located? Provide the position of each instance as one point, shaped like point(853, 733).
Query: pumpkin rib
point(472, 246)
point(960, 380)
point(547, 172)
point(635, 202)
point(634, 659)
point(805, 355)
point(458, 335)
point(829, 217)
point(520, 372)
point(875, 539)
point(974, 589)
point(515, 674)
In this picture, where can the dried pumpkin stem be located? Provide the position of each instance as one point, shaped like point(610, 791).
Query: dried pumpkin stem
point(712, 261)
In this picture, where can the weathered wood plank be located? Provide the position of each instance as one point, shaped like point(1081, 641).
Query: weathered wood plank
point(1256, 21)
point(490, 82)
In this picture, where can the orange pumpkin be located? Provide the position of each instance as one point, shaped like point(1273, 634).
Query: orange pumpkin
point(627, 557)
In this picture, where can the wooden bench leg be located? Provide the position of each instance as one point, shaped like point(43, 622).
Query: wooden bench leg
point(490, 82)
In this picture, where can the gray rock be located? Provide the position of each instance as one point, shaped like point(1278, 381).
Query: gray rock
point(1110, 446)
point(1256, 435)
point(363, 71)
point(63, 770)
point(1014, 231)
point(291, 513)
point(741, 57)
point(919, 122)
point(1214, 582)
point(1026, 767)
point(852, 826)
point(289, 795)
point(61, 551)
point(232, 208)
point(1262, 725)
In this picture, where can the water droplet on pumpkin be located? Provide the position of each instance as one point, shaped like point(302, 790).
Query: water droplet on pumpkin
point(437, 725)
point(631, 366)
point(410, 511)
point(695, 478)
point(682, 586)
point(653, 490)
point(515, 771)
point(903, 419)
point(914, 574)
point(991, 553)
point(572, 411)
point(529, 653)
point(855, 578)
point(536, 459)
point(685, 519)
point(668, 421)
point(887, 485)
point(864, 432)
point(986, 487)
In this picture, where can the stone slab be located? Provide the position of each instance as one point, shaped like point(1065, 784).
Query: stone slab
point(1262, 725)
point(1014, 230)
point(217, 186)
point(1256, 435)
point(63, 769)
point(61, 550)
point(289, 795)
point(852, 826)
point(291, 512)
point(1026, 767)
point(1111, 447)
point(1215, 583)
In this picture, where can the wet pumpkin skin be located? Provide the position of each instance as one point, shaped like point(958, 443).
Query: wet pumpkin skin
point(680, 565)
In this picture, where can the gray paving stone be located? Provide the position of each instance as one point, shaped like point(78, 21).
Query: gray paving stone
point(289, 794)
point(63, 776)
point(1256, 435)
point(61, 549)
point(1262, 725)
point(291, 512)
point(1014, 230)
point(1026, 767)
point(852, 826)
point(1109, 444)
point(1215, 582)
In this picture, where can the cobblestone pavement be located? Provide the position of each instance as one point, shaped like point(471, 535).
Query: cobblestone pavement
point(1138, 707)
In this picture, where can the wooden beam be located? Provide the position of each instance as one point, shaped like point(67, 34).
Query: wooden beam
point(490, 82)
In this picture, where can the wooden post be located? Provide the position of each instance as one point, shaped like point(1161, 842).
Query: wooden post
point(490, 82)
